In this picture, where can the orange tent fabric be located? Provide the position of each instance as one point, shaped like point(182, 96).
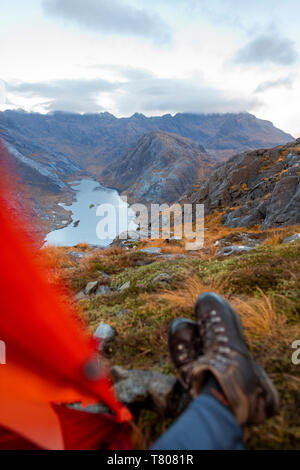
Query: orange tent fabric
point(50, 359)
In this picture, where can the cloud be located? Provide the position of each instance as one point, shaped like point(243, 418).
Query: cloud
point(286, 82)
point(110, 16)
point(170, 95)
point(151, 95)
point(2, 92)
point(127, 72)
point(65, 95)
point(267, 48)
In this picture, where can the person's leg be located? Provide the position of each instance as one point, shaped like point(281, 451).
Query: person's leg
point(230, 390)
point(207, 424)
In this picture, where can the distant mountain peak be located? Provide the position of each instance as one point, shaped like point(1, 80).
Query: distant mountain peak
point(138, 116)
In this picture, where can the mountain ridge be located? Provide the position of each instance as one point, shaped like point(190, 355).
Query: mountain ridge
point(160, 167)
point(52, 149)
point(105, 137)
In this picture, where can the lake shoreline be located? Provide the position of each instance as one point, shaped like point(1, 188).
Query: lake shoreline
point(88, 194)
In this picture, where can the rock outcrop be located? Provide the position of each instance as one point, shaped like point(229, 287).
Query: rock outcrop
point(149, 389)
point(257, 187)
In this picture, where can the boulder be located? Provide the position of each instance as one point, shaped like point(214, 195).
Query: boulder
point(148, 389)
point(242, 238)
point(128, 239)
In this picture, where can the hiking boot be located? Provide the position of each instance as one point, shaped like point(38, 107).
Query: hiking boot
point(185, 347)
point(249, 391)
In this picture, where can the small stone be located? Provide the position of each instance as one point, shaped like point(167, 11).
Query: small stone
point(163, 277)
point(124, 286)
point(151, 251)
point(292, 238)
point(123, 312)
point(78, 255)
point(91, 288)
point(105, 333)
point(145, 262)
point(103, 290)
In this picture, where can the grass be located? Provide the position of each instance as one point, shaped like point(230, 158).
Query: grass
point(263, 285)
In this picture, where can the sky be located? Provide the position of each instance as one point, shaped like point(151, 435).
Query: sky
point(152, 57)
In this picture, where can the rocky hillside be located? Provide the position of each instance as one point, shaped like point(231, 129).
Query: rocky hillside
point(258, 187)
point(43, 169)
point(160, 167)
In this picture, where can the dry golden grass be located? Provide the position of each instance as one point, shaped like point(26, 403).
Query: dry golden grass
point(174, 249)
point(262, 321)
point(258, 314)
point(274, 238)
point(55, 258)
point(82, 247)
point(188, 294)
point(178, 248)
